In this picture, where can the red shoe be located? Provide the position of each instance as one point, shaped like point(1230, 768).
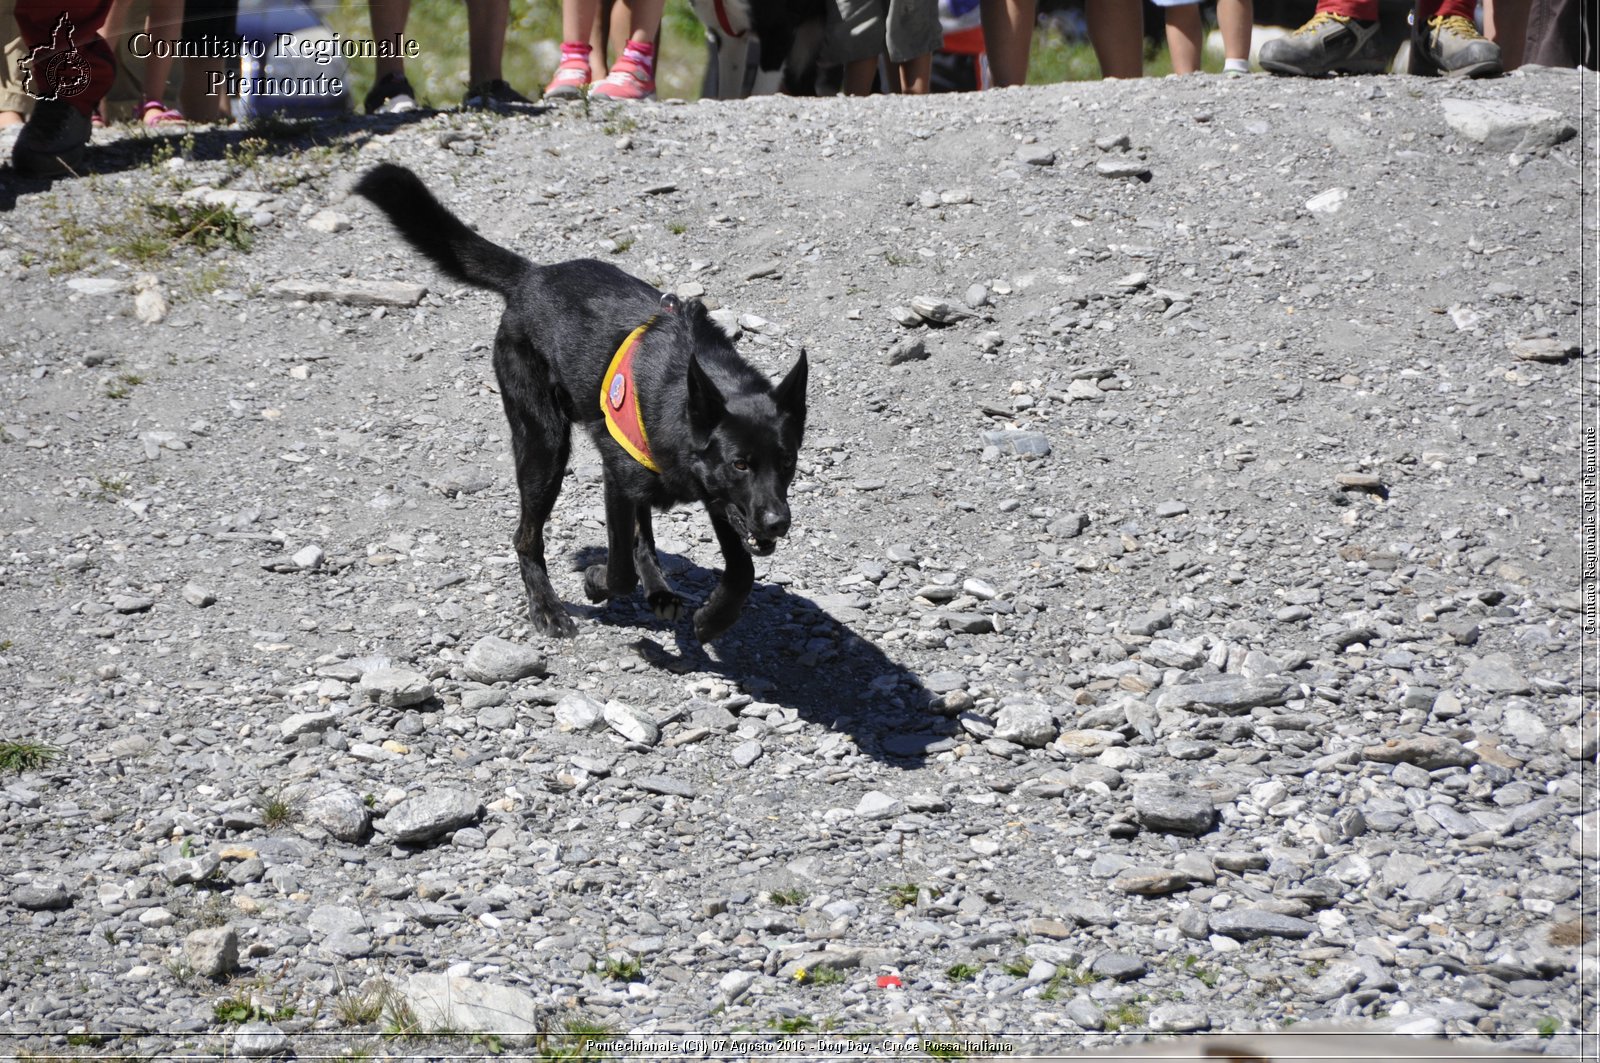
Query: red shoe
point(155, 113)
point(572, 77)
point(628, 80)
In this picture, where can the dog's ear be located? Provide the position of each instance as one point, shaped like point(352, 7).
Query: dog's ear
point(706, 405)
point(791, 394)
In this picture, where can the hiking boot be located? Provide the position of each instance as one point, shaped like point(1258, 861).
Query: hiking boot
point(494, 96)
point(1451, 45)
point(570, 79)
point(54, 141)
point(392, 94)
point(628, 80)
point(1328, 44)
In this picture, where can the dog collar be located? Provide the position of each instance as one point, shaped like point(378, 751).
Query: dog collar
point(723, 20)
point(619, 401)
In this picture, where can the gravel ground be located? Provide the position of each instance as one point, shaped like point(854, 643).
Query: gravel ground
point(1180, 630)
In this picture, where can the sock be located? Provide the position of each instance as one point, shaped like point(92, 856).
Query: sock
point(642, 53)
point(575, 52)
point(1236, 66)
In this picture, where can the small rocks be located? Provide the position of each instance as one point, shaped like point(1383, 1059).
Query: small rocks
point(259, 1040)
point(1150, 881)
point(350, 292)
point(938, 311)
point(1036, 155)
point(198, 596)
point(875, 804)
point(470, 1006)
point(633, 724)
point(212, 952)
point(1503, 126)
point(910, 349)
point(1428, 752)
point(494, 660)
point(1227, 695)
point(341, 813)
point(1122, 166)
point(1023, 443)
point(394, 687)
point(45, 895)
point(1329, 202)
point(579, 712)
point(1030, 726)
point(427, 816)
point(1173, 809)
point(1249, 924)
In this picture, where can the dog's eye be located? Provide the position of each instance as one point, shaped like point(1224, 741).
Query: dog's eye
point(742, 466)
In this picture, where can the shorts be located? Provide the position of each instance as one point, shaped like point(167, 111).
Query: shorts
point(865, 29)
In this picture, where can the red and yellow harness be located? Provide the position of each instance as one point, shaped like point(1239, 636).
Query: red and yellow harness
point(619, 401)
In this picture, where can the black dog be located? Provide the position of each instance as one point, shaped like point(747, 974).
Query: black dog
point(692, 421)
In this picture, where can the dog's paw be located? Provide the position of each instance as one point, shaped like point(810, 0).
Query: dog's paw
point(557, 625)
point(594, 583)
point(710, 623)
point(666, 605)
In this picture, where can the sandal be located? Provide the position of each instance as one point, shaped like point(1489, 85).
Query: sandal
point(156, 113)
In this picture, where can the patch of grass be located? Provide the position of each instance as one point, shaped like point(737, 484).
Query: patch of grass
point(819, 976)
point(625, 123)
point(905, 894)
point(202, 227)
point(355, 1008)
point(398, 1018)
point(894, 258)
point(576, 1043)
point(25, 756)
point(276, 812)
point(1209, 978)
point(1124, 1015)
point(962, 972)
point(242, 1007)
point(622, 969)
point(87, 1040)
point(1052, 989)
point(793, 1024)
point(1017, 968)
point(677, 228)
point(788, 898)
point(623, 243)
point(1548, 1026)
point(121, 387)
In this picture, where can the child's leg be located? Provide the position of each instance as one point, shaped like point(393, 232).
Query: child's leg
point(915, 75)
point(164, 24)
point(858, 75)
point(1116, 29)
point(1007, 35)
point(1235, 18)
point(1185, 34)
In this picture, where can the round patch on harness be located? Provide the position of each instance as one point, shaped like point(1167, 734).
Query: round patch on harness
point(618, 392)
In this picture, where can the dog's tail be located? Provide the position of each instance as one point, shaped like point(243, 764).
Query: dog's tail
point(437, 233)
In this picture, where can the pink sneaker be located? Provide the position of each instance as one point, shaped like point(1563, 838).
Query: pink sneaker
point(572, 77)
point(628, 80)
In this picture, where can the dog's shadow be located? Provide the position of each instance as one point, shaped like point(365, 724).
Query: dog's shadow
point(788, 650)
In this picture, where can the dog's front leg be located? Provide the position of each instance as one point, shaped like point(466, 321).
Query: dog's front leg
point(738, 576)
point(664, 601)
point(616, 577)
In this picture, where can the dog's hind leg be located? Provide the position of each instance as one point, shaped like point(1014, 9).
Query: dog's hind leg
point(616, 577)
point(540, 442)
point(664, 601)
point(738, 576)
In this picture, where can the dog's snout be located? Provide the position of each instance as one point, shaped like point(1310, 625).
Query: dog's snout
point(774, 522)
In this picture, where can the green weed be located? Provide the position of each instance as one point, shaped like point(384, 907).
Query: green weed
point(25, 756)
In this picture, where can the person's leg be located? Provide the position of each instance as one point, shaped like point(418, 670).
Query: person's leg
point(1007, 38)
point(1505, 22)
point(15, 105)
point(1235, 19)
point(388, 23)
point(859, 75)
point(633, 75)
point(56, 136)
point(1116, 29)
point(213, 25)
point(915, 75)
point(164, 25)
point(486, 39)
point(1185, 37)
